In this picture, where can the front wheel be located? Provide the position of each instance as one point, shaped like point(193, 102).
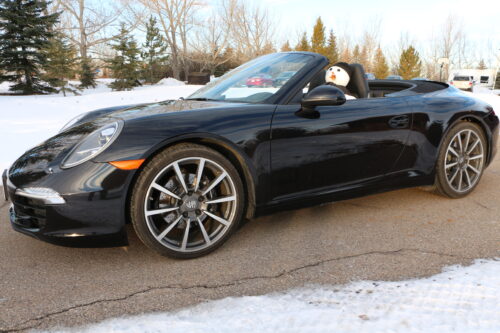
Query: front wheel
point(461, 160)
point(187, 201)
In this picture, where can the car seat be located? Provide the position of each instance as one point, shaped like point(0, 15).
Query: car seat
point(358, 84)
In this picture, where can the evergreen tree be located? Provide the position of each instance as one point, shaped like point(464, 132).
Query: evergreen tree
point(318, 39)
point(303, 44)
point(268, 48)
point(410, 65)
point(232, 62)
point(381, 69)
point(331, 49)
point(286, 47)
point(356, 54)
point(125, 64)
point(87, 73)
point(346, 55)
point(60, 63)
point(481, 65)
point(364, 59)
point(154, 52)
point(24, 32)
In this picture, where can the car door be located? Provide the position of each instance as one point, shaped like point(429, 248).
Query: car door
point(343, 145)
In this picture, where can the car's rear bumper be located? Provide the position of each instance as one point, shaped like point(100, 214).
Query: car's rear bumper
point(462, 86)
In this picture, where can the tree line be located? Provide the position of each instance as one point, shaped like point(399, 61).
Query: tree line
point(45, 43)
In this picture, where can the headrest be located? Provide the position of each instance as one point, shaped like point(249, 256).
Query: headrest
point(358, 85)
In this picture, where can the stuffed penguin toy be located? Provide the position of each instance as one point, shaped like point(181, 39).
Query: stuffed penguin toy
point(339, 76)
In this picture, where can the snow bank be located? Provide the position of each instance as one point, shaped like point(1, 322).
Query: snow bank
point(489, 96)
point(4, 87)
point(169, 81)
point(461, 299)
point(25, 121)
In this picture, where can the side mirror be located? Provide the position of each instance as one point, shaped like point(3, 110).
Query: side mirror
point(324, 95)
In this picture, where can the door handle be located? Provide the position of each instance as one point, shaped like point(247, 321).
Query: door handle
point(399, 121)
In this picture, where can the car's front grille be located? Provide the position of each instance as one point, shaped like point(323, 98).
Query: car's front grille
point(30, 213)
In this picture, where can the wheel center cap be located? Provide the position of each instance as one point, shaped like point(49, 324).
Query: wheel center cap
point(190, 203)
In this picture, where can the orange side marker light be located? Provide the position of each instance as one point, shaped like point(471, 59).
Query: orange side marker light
point(127, 165)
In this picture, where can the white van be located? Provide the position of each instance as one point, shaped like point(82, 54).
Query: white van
point(463, 82)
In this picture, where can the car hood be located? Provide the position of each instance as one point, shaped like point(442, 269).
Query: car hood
point(46, 157)
point(144, 110)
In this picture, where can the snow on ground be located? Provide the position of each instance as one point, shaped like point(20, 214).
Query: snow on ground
point(26, 121)
point(169, 81)
point(461, 299)
point(491, 97)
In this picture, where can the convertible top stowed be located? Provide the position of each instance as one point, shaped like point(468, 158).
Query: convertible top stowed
point(392, 88)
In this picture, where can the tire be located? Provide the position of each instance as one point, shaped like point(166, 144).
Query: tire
point(461, 160)
point(190, 224)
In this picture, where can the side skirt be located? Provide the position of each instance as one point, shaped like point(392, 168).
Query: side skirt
point(394, 181)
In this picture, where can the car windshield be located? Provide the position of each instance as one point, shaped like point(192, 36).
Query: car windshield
point(255, 81)
point(461, 78)
point(286, 74)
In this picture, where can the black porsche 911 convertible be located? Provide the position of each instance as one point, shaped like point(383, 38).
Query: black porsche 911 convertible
point(186, 172)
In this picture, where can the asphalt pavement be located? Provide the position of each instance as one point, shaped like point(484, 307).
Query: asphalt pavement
point(390, 236)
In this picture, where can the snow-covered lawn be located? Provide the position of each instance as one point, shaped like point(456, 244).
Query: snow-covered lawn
point(461, 299)
point(25, 121)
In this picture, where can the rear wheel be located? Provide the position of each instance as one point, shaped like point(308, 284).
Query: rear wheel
point(461, 160)
point(187, 201)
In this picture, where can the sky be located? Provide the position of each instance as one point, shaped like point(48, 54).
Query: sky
point(419, 19)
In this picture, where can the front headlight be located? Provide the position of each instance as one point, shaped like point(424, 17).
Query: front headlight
point(73, 121)
point(92, 145)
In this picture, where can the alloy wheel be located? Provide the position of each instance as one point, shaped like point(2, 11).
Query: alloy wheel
point(190, 204)
point(464, 160)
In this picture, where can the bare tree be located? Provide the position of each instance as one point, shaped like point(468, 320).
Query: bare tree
point(88, 23)
point(344, 47)
point(210, 43)
point(370, 42)
point(177, 19)
point(251, 28)
point(450, 38)
point(53, 7)
point(431, 55)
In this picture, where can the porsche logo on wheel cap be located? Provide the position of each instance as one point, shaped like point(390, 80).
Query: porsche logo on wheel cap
point(191, 204)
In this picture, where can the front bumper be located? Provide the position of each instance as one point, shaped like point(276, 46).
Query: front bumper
point(90, 212)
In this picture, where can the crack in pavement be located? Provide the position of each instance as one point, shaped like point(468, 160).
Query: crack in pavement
point(481, 205)
point(40, 319)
